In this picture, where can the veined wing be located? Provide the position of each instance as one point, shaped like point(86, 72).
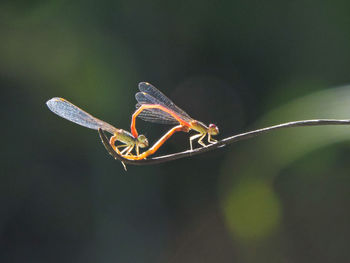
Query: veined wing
point(153, 115)
point(161, 99)
point(69, 111)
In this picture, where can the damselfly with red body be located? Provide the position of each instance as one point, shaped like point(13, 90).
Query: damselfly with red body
point(154, 106)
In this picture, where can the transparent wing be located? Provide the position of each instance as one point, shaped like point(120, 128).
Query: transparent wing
point(156, 116)
point(69, 111)
point(153, 115)
point(160, 98)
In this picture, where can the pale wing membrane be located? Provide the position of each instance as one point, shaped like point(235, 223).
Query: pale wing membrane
point(153, 115)
point(163, 100)
point(69, 111)
point(156, 116)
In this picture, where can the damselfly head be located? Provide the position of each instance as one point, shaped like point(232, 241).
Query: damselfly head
point(213, 129)
point(142, 140)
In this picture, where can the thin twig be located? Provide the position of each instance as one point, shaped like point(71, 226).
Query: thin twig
point(219, 144)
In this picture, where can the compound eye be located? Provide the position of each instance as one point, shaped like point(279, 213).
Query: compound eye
point(143, 141)
point(213, 129)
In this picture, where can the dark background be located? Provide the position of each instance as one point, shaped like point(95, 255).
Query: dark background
point(281, 197)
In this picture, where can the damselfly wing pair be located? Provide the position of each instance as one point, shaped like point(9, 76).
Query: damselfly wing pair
point(153, 106)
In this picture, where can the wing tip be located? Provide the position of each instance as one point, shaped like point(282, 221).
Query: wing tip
point(51, 102)
point(144, 84)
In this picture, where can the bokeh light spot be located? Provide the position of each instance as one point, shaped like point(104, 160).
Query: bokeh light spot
point(252, 210)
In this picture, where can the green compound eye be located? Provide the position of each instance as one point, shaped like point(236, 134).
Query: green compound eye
point(143, 142)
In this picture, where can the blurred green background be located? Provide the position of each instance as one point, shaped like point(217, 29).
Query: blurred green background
point(281, 197)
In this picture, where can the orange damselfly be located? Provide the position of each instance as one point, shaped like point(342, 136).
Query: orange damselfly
point(158, 144)
point(154, 106)
point(69, 111)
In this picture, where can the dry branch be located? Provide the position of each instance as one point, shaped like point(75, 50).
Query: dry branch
point(219, 144)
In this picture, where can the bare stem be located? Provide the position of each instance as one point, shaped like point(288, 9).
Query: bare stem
point(219, 144)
